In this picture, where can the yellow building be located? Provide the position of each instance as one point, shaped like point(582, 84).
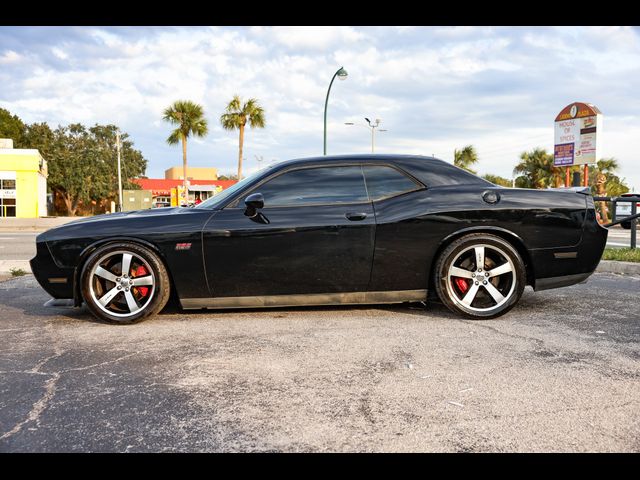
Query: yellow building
point(23, 182)
point(193, 173)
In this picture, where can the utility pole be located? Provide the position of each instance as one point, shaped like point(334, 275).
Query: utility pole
point(119, 172)
point(373, 139)
point(372, 126)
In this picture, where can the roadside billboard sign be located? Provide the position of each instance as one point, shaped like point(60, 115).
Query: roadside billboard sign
point(577, 127)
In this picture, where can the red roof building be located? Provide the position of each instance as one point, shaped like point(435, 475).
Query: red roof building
point(162, 187)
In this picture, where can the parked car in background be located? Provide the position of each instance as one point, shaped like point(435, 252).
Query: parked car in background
point(353, 229)
point(623, 209)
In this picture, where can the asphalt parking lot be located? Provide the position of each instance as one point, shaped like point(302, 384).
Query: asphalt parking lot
point(561, 372)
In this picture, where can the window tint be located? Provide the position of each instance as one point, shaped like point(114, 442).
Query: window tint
point(315, 185)
point(387, 182)
point(436, 173)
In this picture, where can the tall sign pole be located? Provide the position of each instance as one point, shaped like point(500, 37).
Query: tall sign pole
point(576, 138)
point(119, 172)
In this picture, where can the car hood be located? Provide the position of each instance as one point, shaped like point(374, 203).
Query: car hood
point(111, 222)
point(133, 213)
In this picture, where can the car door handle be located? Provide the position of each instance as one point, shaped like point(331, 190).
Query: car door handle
point(354, 217)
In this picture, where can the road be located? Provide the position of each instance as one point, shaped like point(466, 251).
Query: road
point(618, 237)
point(560, 372)
point(17, 245)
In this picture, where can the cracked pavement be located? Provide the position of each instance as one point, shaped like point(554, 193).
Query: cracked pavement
point(558, 373)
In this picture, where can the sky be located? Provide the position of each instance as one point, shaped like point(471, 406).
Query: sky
point(434, 88)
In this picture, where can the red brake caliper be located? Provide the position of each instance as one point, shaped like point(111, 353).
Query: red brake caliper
point(141, 272)
point(462, 284)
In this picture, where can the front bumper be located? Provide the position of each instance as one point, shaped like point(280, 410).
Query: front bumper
point(56, 281)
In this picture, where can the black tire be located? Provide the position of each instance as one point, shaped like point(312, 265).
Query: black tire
point(475, 297)
point(626, 225)
point(102, 274)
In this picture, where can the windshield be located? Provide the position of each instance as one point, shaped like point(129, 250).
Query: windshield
point(219, 199)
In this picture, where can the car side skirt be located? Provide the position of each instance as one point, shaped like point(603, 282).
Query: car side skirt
point(347, 298)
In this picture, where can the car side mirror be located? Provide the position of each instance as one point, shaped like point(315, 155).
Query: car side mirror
point(253, 202)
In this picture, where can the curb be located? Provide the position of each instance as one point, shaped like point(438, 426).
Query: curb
point(614, 266)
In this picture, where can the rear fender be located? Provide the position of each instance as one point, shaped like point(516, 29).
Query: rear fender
point(507, 235)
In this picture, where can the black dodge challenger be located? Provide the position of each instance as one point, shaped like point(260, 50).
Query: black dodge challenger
point(331, 230)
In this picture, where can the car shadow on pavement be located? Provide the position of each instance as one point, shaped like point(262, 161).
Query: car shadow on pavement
point(25, 295)
point(432, 308)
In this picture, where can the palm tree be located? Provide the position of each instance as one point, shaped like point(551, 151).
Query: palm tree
point(497, 180)
point(537, 170)
point(604, 182)
point(465, 158)
point(237, 115)
point(189, 117)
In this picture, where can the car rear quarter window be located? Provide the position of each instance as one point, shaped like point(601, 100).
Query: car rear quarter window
point(319, 185)
point(384, 182)
point(437, 173)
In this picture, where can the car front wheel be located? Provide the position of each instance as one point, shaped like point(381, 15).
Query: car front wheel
point(480, 276)
point(124, 283)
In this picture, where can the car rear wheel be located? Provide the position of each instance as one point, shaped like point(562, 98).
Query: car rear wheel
point(480, 276)
point(124, 283)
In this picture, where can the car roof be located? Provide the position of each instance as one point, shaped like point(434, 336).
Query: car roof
point(365, 158)
point(430, 171)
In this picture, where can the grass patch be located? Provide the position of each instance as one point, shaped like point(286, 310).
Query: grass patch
point(622, 254)
point(17, 272)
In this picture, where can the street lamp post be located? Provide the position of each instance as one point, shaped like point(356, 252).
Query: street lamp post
point(342, 75)
point(373, 127)
point(119, 172)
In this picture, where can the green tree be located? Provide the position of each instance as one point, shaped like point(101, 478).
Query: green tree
point(498, 180)
point(41, 137)
point(230, 176)
point(133, 164)
point(82, 162)
point(465, 158)
point(11, 127)
point(536, 170)
point(189, 118)
point(237, 115)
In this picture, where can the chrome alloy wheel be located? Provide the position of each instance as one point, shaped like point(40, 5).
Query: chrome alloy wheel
point(481, 278)
point(121, 283)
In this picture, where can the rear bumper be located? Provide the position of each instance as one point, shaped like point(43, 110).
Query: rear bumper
point(56, 281)
point(560, 267)
point(564, 281)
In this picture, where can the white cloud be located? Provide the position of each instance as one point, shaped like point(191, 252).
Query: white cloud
point(59, 53)
point(314, 37)
point(435, 88)
point(9, 56)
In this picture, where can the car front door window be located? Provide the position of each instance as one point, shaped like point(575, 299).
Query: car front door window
point(315, 186)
